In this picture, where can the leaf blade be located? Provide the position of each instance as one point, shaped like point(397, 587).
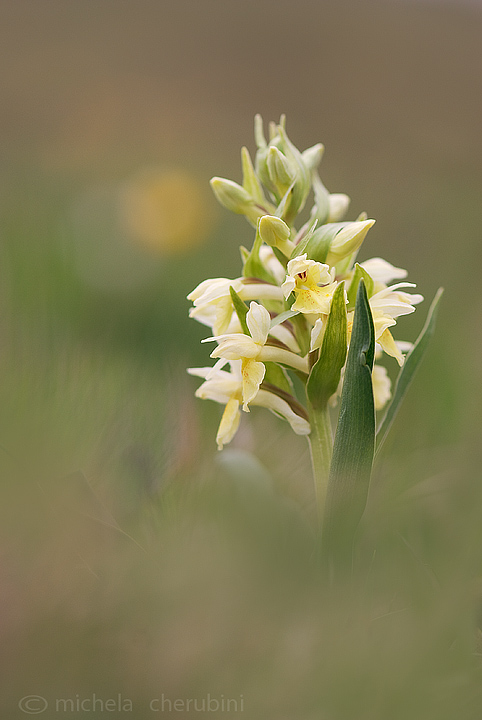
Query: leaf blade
point(253, 267)
point(354, 444)
point(326, 372)
point(286, 315)
point(360, 272)
point(241, 309)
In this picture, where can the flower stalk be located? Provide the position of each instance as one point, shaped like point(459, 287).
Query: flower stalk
point(321, 449)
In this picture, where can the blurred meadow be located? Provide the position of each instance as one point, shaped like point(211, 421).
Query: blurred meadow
point(136, 560)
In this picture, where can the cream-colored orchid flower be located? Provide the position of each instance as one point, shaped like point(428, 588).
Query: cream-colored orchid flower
point(382, 271)
point(386, 305)
point(212, 300)
point(252, 351)
point(312, 283)
point(226, 388)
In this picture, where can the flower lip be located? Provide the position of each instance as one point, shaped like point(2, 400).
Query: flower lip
point(303, 272)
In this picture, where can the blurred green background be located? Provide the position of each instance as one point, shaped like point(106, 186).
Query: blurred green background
point(135, 559)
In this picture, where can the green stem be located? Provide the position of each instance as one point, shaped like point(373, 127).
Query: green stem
point(321, 448)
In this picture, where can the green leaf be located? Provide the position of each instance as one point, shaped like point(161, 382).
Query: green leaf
point(352, 290)
point(241, 309)
point(318, 246)
point(407, 372)
point(325, 374)
point(299, 249)
point(355, 437)
point(253, 267)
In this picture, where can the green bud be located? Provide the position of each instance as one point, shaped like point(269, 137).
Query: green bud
point(348, 240)
point(302, 183)
point(280, 170)
point(276, 233)
point(231, 195)
point(235, 198)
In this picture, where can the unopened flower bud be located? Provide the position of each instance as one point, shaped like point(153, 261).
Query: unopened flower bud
point(231, 195)
point(235, 198)
point(348, 240)
point(302, 177)
point(281, 172)
point(274, 232)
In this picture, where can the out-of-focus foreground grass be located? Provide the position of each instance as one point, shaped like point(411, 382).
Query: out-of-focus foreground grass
point(135, 559)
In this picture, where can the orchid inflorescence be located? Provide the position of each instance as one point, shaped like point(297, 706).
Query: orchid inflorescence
point(304, 308)
point(289, 278)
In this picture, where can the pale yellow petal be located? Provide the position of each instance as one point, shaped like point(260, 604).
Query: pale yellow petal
point(229, 423)
point(288, 286)
point(252, 373)
point(390, 347)
point(314, 300)
point(317, 334)
point(280, 332)
point(235, 346)
point(281, 407)
point(258, 320)
point(382, 271)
